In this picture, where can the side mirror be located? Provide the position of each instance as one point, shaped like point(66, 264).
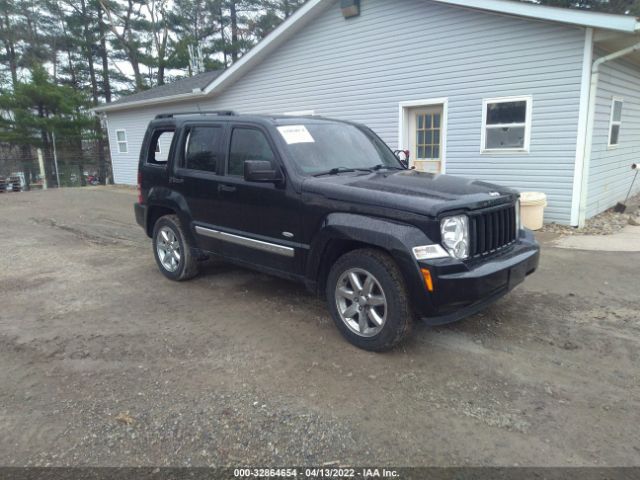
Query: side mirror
point(402, 156)
point(261, 171)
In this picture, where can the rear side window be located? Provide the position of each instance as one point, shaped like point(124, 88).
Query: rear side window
point(201, 151)
point(247, 144)
point(160, 147)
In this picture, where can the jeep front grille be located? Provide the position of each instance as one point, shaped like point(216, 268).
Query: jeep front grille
point(492, 230)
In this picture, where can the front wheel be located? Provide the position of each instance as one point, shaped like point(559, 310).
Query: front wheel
point(368, 300)
point(172, 250)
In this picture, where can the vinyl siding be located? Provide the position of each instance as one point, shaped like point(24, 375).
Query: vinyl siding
point(610, 174)
point(125, 165)
point(361, 69)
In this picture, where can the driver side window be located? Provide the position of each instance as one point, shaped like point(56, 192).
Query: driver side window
point(247, 144)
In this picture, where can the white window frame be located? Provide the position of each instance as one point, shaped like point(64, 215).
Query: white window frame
point(528, 99)
point(613, 122)
point(122, 142)
point(403, 125)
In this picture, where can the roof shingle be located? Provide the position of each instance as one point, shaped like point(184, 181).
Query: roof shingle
point(182, 86)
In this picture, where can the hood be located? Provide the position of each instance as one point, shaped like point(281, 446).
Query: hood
point(410, 190)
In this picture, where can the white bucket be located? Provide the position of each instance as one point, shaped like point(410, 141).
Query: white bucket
point(532, 206)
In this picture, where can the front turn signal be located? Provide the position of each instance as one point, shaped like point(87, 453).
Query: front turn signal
point(428, 281)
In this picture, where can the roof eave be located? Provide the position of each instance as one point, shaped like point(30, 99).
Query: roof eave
point(607, 21)
point(110, 107)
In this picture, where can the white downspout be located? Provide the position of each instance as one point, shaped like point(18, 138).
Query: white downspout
point(591, 117)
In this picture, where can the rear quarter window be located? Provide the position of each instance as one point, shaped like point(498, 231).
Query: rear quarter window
point(160, 146)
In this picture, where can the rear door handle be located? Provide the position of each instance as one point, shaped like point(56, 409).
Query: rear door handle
point(176, 180)
point(227, 188)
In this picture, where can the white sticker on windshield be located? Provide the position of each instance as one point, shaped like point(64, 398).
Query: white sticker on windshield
point(296, 134)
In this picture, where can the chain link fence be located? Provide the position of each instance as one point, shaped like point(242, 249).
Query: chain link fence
point(25, 167)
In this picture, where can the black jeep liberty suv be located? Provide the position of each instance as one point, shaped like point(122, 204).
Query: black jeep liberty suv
point(327, 203)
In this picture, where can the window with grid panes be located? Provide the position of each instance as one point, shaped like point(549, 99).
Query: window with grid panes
point(428, 132)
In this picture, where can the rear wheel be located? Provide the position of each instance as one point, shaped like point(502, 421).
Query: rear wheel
point(172, 250)
point(368, 301)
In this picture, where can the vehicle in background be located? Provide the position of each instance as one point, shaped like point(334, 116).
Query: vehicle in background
point(12, 183)
point(19, 181)
point(92, 179)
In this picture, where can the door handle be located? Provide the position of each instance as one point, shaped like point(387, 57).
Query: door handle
point(227, 188)
point(176, 180)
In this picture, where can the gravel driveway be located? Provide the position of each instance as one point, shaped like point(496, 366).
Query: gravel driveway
point(105, 362)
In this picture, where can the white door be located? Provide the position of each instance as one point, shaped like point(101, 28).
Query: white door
point(425, 138)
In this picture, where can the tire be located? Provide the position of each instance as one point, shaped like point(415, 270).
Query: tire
point(381, 315)
point(168, 239)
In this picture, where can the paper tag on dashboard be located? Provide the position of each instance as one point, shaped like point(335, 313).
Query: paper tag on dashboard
point(296, 134)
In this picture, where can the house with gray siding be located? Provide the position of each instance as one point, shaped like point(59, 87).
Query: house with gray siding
point(536, 98)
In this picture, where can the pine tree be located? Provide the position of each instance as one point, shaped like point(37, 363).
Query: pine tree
point(38, 109)
point(196, 25)
point(126, 21)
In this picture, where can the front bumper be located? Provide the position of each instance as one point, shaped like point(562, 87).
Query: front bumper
point(464, 288)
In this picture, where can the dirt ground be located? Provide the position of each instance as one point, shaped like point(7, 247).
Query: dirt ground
point(105, 362)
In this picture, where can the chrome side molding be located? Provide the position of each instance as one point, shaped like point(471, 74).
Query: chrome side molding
point(246, 242)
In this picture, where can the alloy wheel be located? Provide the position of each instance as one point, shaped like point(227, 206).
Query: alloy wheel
point(168, 248)
point(361, 302)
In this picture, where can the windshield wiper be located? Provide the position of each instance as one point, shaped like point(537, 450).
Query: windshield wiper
point(337, 170)
point(388, 167)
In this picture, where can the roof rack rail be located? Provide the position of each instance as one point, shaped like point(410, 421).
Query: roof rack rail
point(225, 113)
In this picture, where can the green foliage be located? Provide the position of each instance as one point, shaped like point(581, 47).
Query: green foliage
point(40, 106)
point(135, 43)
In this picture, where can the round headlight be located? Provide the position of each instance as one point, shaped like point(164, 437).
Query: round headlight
point(455, 235)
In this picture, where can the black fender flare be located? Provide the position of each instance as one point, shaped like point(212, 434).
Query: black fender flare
point(396, 238)
point(170, 199)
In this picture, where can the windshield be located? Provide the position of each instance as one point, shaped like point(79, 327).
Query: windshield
point(322, 147)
